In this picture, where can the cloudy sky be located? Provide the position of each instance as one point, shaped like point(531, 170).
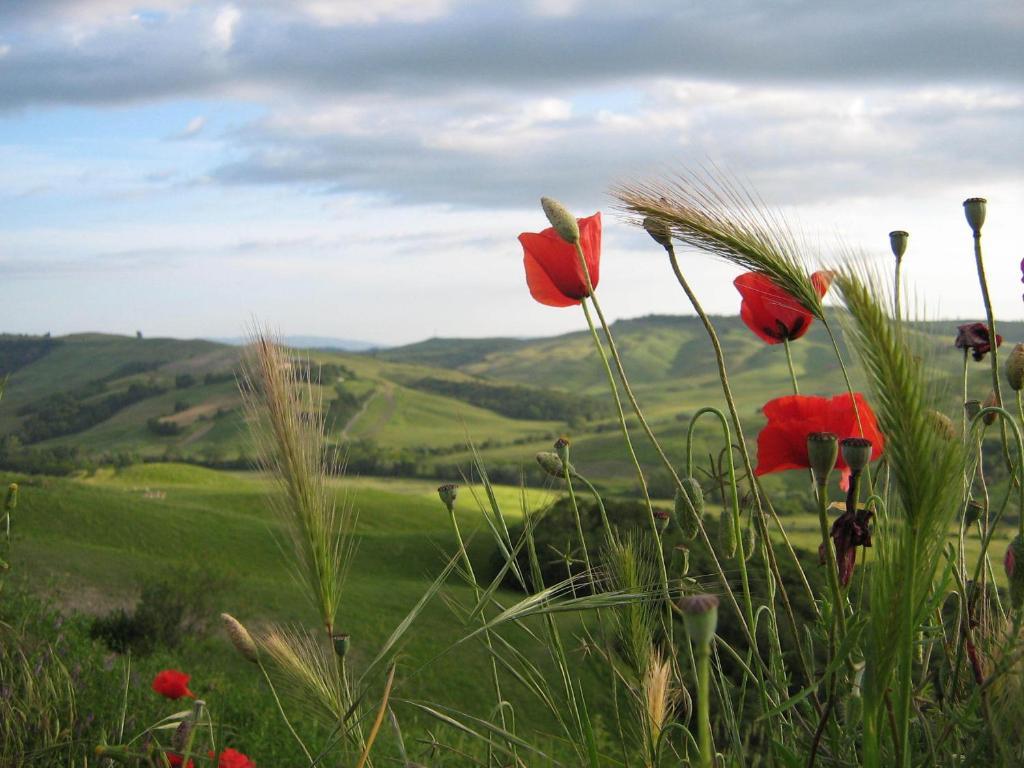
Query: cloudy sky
point(361, 168)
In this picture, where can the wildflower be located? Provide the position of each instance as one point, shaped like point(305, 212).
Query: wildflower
point(172, 684)
point(974, 336)
point(232, 758)
point(849, 531)
point(782, 443)
point(774, 315)
point(553, 271)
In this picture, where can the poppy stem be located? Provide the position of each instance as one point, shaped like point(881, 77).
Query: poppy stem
point(789, 361)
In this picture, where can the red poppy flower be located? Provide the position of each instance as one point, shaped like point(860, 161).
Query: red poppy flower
point(172, 684)
point(553, 270)
point(782, 444)
point(974, 336)
point(772, 313)
point(232, 758)
point(175, 760)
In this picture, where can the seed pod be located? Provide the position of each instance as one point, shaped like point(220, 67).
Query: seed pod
point(856, 453)
point(972, 513)
point(974, 210)
point(822, 452)
point(240, 637)
point(972, 408)
point(700, 615)
point(990, 402)
point(1014, 565)
point(898, 243)
point(1015, 368)
point(689, 515)
point(659, 231)
point(726, 534)
point(562, 449)
point(565, 223)
point(447, 493)
point(341, 644)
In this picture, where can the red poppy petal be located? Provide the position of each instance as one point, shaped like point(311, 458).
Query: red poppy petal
point(558, 260)
point(770, 311)
point(542, 288)
point(821, 280)
point(750, 319)
point(778, 450)
point(590, 242)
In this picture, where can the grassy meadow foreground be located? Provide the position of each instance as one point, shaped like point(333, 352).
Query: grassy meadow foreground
point(511, 552)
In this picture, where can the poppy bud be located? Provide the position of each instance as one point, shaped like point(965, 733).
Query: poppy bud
point(990, 402)
point(341, 644)
point(562, 449)
point(240, 637)
point(974, 210)
point(749, 542)
point(726, 534)
point(564, 222)
point(898, 243)
point(856, 453)
point(700, 616)
point(1015, 368)
point(553, 465)
point(662, 516)
point(1014, 564)
point(659, 231)
point(822, 452)
point(689, 507)
point(972, 408)
point(448, 492)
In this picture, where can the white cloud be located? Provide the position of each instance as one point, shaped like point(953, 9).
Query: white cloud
point(224, 24)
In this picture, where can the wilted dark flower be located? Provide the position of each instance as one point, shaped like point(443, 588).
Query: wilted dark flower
point(849, 531)
point(974, 336)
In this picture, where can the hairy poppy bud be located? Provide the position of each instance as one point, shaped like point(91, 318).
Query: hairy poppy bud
point(240, 637)
point(898, 243)
point(562, 449)
point(1015, 368)
point(12, 497)
point(659, 231)
point(1014, 564)
point(662, 516)
point(564, 222)
point(700, 616)
point(822, 452)
point(856, 453)
point(972, 408)
point(553, 465)
point(749, 541)
point(726, 534)
point(689, 507)
point(447, 493)
point(974, 210)
point(341, 644)
point(992, 401)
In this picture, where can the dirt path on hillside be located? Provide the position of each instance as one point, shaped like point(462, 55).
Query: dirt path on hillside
point(385, 390)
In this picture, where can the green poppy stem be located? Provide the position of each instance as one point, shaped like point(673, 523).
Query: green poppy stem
point(792, 371)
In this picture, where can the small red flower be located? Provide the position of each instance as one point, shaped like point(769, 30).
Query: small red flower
point(553, 271)
point(782, 444)
point(172, 684)
point(772, 313)
point(232, 758)
point(175, 760)
point(974, 336)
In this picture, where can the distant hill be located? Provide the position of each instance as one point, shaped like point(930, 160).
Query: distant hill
point(411, 410)
point(311, 342)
